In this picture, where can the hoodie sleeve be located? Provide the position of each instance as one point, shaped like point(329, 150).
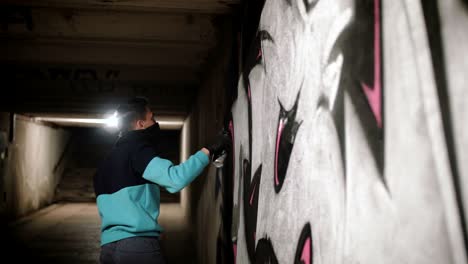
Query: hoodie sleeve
point(175, 177)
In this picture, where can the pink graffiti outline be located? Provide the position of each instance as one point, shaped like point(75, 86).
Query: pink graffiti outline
point(252, 194)
point(259, 55)
point(234, 249)
point(305, 256)
point(374, 94)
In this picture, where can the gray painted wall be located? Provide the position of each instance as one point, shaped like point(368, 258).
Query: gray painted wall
point(345, 148)
point(454, 22)
point(33, 173)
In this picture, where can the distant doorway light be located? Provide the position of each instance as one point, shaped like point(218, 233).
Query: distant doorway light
point(112, 121)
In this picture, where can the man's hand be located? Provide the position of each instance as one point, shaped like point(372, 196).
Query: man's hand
point(206, 151)
point(221, 142)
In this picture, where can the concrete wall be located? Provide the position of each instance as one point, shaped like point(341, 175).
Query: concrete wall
point(207, 118)
point(209, 114)
point(34, 165)
point(4, 142)
point(348, 142)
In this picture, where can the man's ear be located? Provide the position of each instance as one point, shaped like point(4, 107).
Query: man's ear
point(140, 124)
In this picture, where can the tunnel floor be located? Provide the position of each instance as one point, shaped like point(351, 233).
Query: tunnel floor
point(60, 233)
point(69, 232)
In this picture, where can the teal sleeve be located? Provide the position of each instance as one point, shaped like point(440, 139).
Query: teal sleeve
point(175, 177)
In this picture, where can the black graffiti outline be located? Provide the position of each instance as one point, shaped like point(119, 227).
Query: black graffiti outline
point(250, 201)
point(265, 253)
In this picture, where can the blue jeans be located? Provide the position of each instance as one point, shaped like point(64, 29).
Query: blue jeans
point(132, 250)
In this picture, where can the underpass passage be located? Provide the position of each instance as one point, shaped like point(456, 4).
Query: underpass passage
point(67, 229)
point(88, 147)
point(66, 67)
point(347, 117)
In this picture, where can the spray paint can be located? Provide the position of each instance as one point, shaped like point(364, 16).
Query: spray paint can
point(219, 161)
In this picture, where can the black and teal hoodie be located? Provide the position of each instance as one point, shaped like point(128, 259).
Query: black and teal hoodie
point(127, 184)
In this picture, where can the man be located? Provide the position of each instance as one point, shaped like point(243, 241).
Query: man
point(127, 186)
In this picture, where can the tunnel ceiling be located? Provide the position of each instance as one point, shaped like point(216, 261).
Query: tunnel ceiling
point(87, 56)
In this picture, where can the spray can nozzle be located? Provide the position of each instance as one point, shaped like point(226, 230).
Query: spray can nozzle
point(219, 161)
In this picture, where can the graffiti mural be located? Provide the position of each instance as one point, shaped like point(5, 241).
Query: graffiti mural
point(339, 150)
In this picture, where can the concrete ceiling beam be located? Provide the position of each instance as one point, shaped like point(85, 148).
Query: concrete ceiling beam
point(186, 6)
point(99, 53)
point(76, 24)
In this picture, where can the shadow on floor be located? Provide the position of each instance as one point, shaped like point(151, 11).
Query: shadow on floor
point(70, 233)
point(16, 250)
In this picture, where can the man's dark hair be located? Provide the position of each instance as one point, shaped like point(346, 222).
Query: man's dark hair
point(127, 113)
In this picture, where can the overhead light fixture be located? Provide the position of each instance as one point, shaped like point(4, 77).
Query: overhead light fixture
point(110, 122)
point(68, 120)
